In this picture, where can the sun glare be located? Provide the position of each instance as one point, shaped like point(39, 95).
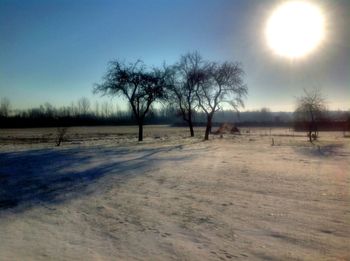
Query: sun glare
point(295, 29)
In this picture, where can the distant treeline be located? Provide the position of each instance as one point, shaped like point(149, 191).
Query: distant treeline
point(42, 118)
point(324, 125)
point(83, 114)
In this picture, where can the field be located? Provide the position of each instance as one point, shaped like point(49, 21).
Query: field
point(266, 194)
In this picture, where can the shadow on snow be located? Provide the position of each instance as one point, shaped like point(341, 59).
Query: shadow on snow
point(51, 176)
point(323, 151)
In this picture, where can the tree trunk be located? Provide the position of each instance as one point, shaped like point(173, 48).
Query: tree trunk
point(310, 136)
point(208, 128)
point(140, 131)
point(190, 124)
point(311, 130)
point(312, 126)
point(188, 119)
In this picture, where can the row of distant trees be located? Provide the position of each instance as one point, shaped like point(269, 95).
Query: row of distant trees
point(80, 108)
point(80, 113)
point(105, 113)
point(110, 113)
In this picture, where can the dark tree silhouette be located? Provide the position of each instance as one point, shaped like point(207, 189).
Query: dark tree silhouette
point(310, 109)
point(141, 87)
point(5, 107)
point(220, 83)
point(187, 75)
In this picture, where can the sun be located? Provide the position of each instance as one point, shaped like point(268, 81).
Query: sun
point(295, 29)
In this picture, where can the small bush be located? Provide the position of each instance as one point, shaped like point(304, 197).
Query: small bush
point(60, 135)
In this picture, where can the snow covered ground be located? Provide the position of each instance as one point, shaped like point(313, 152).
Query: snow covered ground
point(104, 196)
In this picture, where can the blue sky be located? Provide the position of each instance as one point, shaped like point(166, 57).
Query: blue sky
point(54, 51)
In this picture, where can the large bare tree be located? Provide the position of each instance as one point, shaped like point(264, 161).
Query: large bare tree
point(220, 83)
point(310, 109)
point(140, 86)
point(187, 75)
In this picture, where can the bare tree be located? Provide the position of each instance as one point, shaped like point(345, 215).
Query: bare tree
point(83, 106)
point(73, 111)
point(187, 75)
point(141, 87)
point(97, 109)
point(310, 109)
point(220, 83)
point(5, 107)
point(106, 109)
point(49, 110)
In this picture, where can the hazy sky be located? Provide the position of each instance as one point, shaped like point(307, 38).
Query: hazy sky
point(54, 51)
